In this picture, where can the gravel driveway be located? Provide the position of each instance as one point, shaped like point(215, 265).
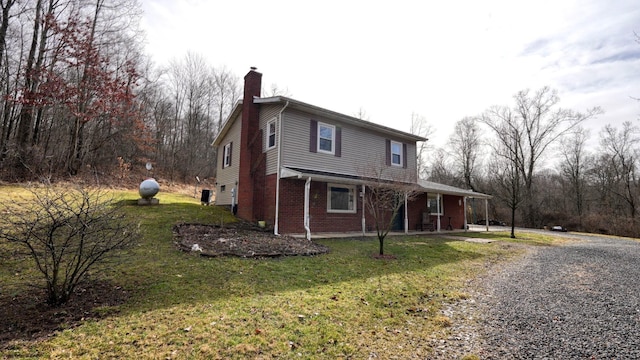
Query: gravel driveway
point(575, 301)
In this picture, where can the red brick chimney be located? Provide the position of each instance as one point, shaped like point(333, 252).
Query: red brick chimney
point(250, 147)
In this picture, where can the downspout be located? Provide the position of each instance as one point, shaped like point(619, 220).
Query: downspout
point(364, 222)
point(307, 186)
point(279, 141)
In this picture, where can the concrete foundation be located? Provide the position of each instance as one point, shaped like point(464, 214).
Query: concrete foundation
point(152, 201)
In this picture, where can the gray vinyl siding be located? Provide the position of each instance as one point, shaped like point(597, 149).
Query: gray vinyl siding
point(363, 150)
point(267, 113)
point(229, 176)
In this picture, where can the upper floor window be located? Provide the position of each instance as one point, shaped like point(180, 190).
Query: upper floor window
point(341, 198)
point(326, 137)
point(271, 134)
point(226, 155)
point(396, 153)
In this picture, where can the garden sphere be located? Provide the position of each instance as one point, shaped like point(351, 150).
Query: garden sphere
point(149, 188)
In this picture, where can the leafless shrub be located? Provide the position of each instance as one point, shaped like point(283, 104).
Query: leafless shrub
point(66, 232)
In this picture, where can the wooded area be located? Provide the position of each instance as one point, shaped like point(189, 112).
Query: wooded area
point(543, 166)
point(81, 99)
point(79, 96)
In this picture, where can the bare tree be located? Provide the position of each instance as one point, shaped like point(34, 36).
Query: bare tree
point(5, 7)
point(421, 127)
point(508, 150)
point(620, 149)
point(275, 90)
point(440, 168)
point(574, 166)
point(540, 124)
point(67, 232)
point(386, 192)
point(362, 114)
point(465, 143)
point(227, 93)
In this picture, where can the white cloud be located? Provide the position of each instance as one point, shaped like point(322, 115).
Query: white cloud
point(443, 60)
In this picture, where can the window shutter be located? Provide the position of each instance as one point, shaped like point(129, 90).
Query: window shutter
point(388, 152)
point(313, 136)
point(404, 155)
point(230, 151)
point(338, 145)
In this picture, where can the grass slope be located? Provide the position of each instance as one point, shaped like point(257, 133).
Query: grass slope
point(344, 304)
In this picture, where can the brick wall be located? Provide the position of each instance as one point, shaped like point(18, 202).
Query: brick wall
point(416, 207)
point(292, 210)
point(454, 208)
point(291, 206)
point(269, 199)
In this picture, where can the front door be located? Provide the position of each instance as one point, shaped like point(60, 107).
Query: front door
point(398, 222)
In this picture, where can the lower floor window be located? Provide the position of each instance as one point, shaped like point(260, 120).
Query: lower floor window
point(341, 198)
point(434, 204)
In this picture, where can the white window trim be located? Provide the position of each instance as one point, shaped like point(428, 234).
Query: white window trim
point(225, 156)
point(268, 134)
point(439, 202)
point(333, 138)
point(352, 191)
point(392, 153)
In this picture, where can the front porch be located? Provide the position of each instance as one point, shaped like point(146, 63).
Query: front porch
point(373, 234)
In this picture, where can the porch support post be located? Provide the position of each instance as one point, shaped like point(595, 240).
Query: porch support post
point(486, 213)
point(464, 204)
point(406, 216)
point(438, 203)
point(307, 186)
point(364, 222)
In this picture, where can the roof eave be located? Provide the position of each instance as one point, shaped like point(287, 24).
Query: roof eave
point(340, 117)
point(436, 188)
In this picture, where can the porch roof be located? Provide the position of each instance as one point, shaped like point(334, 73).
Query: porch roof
point(317, 175)
point(433, 187)
point(426, 186)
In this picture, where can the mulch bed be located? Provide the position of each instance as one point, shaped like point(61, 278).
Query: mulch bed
point(242, 240)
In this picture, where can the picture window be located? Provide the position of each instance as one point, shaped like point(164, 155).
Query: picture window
point(341, 198)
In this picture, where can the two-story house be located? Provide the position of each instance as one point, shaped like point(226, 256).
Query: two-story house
point(302, 168)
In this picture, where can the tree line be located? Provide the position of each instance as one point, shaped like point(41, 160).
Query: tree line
point(78, 96)
point(544, 168)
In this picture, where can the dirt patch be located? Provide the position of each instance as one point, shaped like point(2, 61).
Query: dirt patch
point(241, 239)
point(26, 317)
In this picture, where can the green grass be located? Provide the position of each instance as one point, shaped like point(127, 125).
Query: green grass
point(344, 304)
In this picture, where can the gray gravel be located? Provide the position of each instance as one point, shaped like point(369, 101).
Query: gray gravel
point(575, 301)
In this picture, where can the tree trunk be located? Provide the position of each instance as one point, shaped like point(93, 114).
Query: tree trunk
point(25, 119)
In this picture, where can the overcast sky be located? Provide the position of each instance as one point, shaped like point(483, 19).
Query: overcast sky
point(443, 60)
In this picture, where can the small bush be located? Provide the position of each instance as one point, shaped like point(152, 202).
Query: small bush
point(66, 232)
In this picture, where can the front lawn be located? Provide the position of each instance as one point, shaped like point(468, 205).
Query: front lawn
point(344, 304)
